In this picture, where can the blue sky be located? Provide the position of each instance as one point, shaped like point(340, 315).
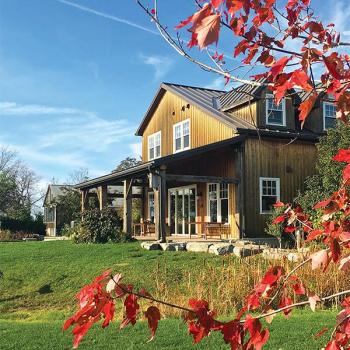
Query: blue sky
point(75, 81)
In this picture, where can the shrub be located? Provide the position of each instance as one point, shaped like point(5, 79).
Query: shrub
point(5, 235)
point(98, 227)
point(29, 225)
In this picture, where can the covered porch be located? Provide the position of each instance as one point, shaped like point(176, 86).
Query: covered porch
point(195, 194)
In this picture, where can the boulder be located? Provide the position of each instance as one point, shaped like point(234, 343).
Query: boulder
point(221, 248)
point(243, 251)
point(198, 247)
point(173, 246)
point(150, 245)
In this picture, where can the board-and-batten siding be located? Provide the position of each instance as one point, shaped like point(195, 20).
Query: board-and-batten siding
point(255, 113)
point(272, 159)
point(204, 129)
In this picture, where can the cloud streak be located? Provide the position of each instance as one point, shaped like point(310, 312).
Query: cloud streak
point(107, 16)
point(13, 108)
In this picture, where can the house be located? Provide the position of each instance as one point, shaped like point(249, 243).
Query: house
point(54, 217)
point(216, 161)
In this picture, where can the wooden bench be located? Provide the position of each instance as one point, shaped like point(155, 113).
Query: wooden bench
point(216, 229)
point(144, 228)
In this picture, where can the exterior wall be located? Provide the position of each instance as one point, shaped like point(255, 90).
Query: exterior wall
point(270, 158)
point(215, 163)
point(255, 113)
point(314, 121)
point(204, 129)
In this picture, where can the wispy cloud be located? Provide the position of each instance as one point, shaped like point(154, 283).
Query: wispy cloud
point(13, 108)
point(107, 16)
point(65, 138)
point(340, 16)
point(217, 84)
point(161, 64)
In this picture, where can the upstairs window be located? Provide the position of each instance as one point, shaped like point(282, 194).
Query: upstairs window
point(269, 194)
point(275, 114)
point(329, 115)
point(154, 148)
point(181, 136)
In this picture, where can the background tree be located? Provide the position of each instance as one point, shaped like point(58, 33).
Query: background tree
point(328, 175)
point(127, 163)
point(18, 186)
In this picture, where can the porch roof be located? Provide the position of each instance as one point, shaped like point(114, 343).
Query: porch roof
point(141, 171)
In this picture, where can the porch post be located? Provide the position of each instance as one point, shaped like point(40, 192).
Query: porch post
point(84, 200)
point(127, 206)
point(239, 195)
point(159, 189)
point(162, 204)
point(102, 196)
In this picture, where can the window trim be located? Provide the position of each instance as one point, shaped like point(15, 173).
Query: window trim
point(324, 113)
point(182, 136)
point(270, 96)
point(278, 191)
point(218, 199)
point(154, 139)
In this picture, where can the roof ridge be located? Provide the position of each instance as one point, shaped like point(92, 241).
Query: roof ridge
point(194, 87)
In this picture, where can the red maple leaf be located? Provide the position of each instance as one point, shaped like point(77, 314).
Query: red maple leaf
point(153, 316)
point(306, 107)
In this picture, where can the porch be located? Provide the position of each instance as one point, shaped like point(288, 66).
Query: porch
point(195, 194)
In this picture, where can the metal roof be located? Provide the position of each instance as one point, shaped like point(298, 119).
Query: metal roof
point(144, 168)
point(239, 95)
point(203, 98)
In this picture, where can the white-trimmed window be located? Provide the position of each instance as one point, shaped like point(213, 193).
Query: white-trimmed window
point(181, 134)
point(151, 206)
point(154, 145)
point(269, 193)
point(329, 115)
point(218, 202)
point(275, 114)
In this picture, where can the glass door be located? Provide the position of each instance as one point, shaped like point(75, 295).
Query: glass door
point(182, 210)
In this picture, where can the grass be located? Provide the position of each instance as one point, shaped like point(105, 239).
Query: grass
point(40, 280)
point(296, 333)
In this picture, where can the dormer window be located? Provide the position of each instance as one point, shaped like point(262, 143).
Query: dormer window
point(154, 145)
point(181, 134)
point(329, 115)
point(275, 114)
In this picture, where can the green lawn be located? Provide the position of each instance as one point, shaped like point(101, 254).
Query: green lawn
point(40, 280)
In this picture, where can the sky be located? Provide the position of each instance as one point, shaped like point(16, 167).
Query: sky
point(76, 78)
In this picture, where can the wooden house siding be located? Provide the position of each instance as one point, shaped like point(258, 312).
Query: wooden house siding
point(220, 162)
point(264, 158)
point(255, 113)
point(204, 129)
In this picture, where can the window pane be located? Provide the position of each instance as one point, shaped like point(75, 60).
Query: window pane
point(213, 207)
point(186, 128)
point(177, 131)
point(267, 203)
point(157, 151)
point(151, 153)
point(224, 211)
point(329, 123)
point(186, 141)
point(178, 144)
point(273, 106)
point(151, 142)
point(151, 206)
point(223, 191)
point(275, 117)
point(157, 141)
